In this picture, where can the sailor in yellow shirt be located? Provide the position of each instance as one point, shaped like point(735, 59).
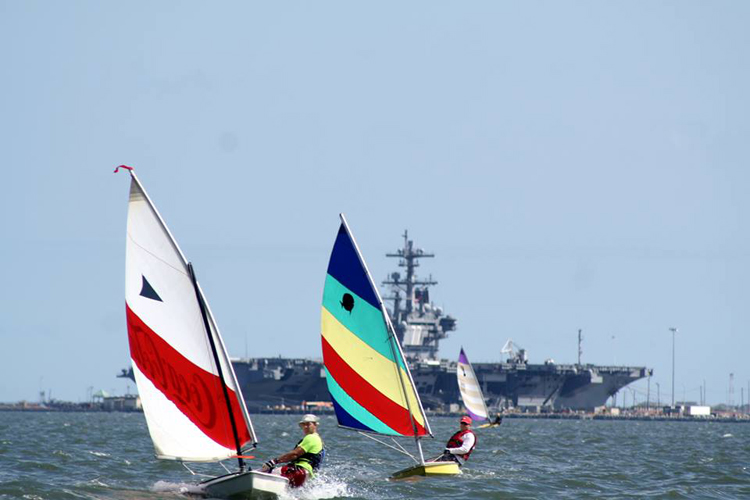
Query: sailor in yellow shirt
point(306, 456)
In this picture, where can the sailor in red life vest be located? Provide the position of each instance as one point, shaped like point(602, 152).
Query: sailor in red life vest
point(461, 444)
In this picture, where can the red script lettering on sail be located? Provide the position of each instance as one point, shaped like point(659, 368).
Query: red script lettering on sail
point(192, 389)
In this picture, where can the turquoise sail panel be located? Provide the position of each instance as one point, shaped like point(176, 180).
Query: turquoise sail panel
point(367, 323)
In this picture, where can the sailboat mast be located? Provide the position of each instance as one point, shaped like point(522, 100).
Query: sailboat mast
point(204, 315)
point(394, 342)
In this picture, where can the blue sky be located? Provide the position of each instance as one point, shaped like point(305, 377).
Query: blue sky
point(572, 164)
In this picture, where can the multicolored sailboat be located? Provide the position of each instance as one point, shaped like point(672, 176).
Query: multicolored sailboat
point(368, 379)
point(191, 400)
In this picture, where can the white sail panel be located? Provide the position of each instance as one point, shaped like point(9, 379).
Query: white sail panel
point(471, 392)
point(170, 348)
point(173, 434)
point(154, 260)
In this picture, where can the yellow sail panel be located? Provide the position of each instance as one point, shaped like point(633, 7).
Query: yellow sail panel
point(370, 364)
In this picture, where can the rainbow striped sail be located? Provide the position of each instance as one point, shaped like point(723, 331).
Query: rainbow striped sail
point(369, 382)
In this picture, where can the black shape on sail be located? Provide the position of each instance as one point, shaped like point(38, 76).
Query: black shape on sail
point(148, 291)
point(347, 302)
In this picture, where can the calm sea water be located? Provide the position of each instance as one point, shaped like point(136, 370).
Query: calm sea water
point(110, 456)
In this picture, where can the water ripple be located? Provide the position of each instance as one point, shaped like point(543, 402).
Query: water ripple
point(110, 457)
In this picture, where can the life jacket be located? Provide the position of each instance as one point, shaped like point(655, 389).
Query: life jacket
point(314, 459)
point(457, 440)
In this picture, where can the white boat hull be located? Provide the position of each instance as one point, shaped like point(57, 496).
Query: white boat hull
point(250, 484)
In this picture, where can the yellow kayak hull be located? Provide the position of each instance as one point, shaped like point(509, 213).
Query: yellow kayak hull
point(429, 469)
point(487, 426)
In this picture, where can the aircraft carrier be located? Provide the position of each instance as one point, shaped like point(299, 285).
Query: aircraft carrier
point(420, 326)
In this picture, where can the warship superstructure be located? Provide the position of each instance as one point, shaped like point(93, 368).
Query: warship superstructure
point(420, 326)
point(513, 382)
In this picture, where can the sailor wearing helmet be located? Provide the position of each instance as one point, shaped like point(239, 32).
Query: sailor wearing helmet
point(304, 459)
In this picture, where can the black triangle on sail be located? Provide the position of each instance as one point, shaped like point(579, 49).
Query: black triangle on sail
point(148, 291)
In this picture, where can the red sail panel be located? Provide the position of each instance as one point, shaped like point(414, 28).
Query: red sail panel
point(391, 413)
point(194, 391)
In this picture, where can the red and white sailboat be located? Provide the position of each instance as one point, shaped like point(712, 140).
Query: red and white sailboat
point(191, 399)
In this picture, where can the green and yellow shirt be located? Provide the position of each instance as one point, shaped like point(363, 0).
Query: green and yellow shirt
point(311, 444)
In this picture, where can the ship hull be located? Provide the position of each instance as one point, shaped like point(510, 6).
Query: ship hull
point(275, 383)
point(503, 385)
point(593, 386)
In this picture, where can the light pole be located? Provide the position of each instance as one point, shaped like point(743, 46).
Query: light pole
point(658, 395)
point(674, 331)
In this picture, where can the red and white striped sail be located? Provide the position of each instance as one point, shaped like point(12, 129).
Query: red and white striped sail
point(184, 401)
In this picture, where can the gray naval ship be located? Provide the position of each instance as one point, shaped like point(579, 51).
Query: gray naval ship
point(420, 326)
point(511, 383)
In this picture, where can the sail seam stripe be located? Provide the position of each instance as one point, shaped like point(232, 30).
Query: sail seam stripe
point(152, 254)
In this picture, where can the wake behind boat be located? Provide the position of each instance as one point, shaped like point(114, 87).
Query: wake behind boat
point(367, 376)
point(193, 405)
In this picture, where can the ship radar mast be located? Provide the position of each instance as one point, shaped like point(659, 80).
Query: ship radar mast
point(419, 325)
point(408, 258)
